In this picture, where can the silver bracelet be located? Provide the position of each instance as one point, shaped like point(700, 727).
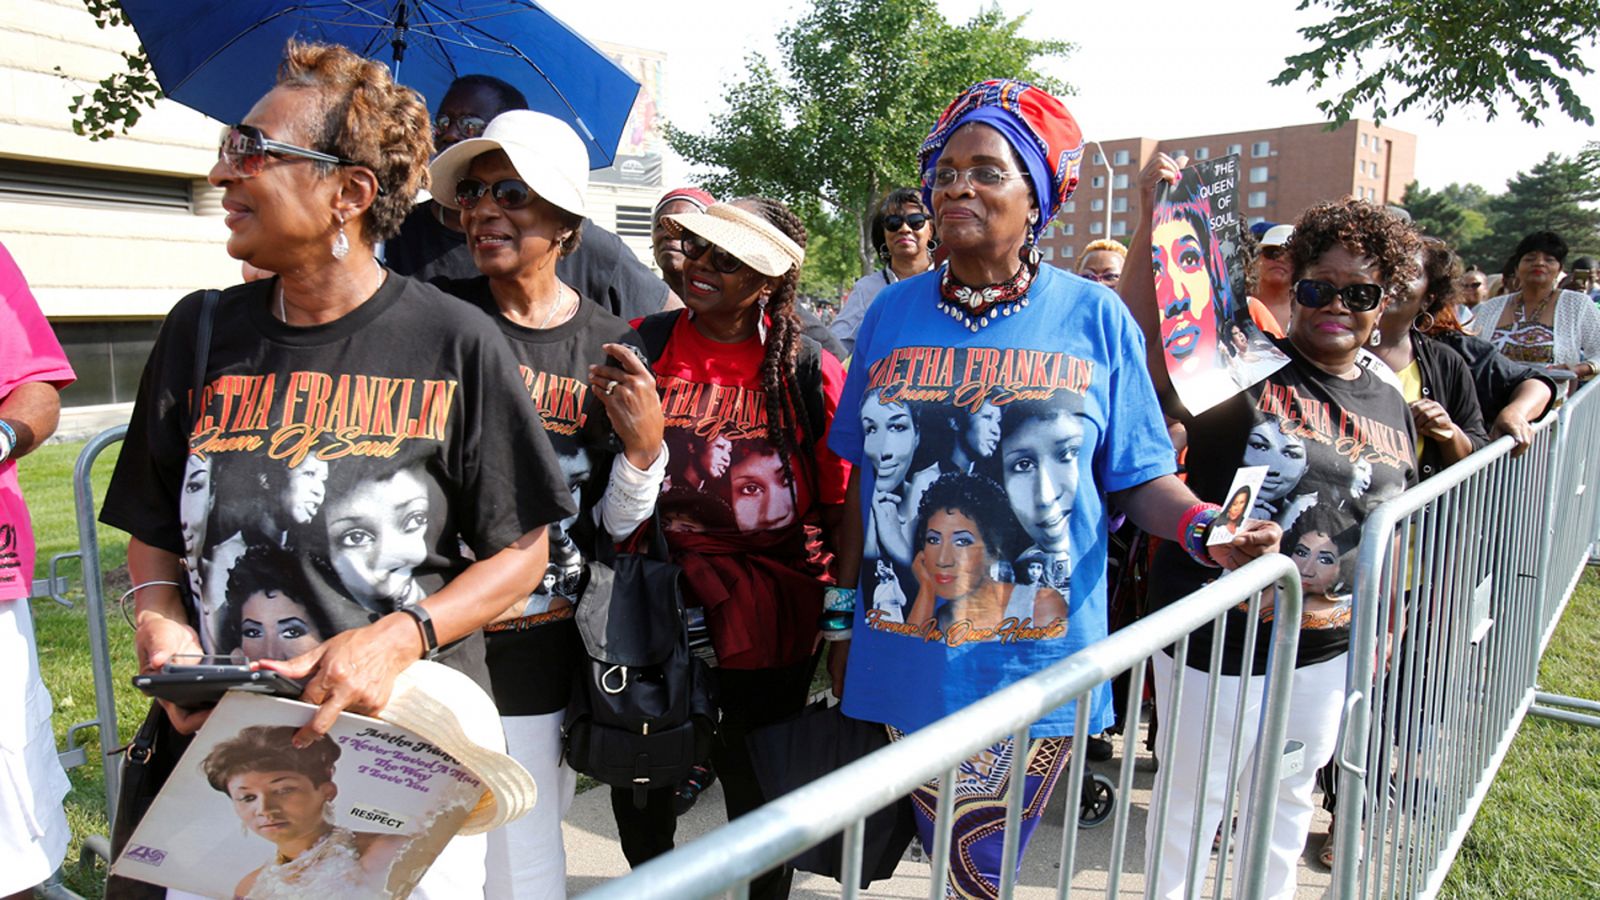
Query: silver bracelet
point(122, 601)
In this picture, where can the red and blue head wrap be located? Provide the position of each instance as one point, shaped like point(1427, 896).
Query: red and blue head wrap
point(1035, 124)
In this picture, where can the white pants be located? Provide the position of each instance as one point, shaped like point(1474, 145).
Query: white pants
point(526, 858)
point(1314, 710)
point(33, 821)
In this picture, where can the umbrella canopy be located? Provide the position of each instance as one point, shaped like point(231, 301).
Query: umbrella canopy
point(220, 58)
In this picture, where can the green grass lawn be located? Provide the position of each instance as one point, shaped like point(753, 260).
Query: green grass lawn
point(1537, 835)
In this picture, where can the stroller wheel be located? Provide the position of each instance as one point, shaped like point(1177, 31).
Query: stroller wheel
point(1099, 798)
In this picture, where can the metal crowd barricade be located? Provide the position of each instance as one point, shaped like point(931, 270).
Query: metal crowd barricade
point(727, 859)
point(1459, 585)
point(105, 721)
point(105, 700)
point(1574, 517)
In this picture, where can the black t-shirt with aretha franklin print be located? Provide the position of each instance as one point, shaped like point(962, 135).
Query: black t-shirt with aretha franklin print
point(1334, 449)
point(532, 657)
point(336, 472)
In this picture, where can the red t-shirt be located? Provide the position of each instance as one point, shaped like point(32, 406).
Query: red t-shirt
point(737, 508)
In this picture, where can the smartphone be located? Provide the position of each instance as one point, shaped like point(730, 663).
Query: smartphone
point(201, 685)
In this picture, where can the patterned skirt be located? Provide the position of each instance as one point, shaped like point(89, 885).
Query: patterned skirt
point(978, 819)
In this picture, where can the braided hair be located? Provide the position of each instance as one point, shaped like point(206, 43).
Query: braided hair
point(785, 408)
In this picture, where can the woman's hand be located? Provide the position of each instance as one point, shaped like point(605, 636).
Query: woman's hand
point(1256, 537)
point(632, 404)
point(156, 641)
point(1161, 167)
point(1584, 370)
point(1432, 420)
point(353, 670)
point(1512, 422)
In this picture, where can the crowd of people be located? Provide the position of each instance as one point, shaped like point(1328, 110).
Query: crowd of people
point(418, 424)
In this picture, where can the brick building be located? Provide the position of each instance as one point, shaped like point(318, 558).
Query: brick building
point(1282, 171)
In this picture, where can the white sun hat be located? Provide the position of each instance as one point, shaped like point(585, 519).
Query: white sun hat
point(1277, 236)
point(752, 240)
point(452, 712)
point(547, 154)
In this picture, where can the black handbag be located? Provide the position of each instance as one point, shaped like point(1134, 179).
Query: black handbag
point(152, 756)
point(820, 740)
point(643, 709)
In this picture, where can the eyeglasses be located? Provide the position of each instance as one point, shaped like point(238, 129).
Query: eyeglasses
point(695, 246)
point(1106, 277)
point(915, 220)
point(468, 126)
point(1274, 252)
point(1314, 294)
point(509, 193)
point(977, 176)
point(245, 149)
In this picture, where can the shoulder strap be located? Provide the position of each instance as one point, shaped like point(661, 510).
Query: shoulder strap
point(808, 379)
point(202, 353)
point(655, 330)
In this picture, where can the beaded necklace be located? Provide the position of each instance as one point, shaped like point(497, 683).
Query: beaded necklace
point(976, 307)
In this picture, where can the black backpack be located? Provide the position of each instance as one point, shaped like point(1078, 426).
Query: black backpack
point(643, 709)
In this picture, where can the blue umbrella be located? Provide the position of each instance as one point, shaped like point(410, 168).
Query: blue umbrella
point(219, 58)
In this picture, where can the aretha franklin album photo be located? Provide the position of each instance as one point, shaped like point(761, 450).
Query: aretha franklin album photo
point(359, 813)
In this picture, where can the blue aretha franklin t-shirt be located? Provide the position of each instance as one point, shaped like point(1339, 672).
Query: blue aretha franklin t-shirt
point(985, 458)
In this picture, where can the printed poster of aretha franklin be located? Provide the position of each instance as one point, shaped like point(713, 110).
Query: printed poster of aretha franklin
point(1211, 347)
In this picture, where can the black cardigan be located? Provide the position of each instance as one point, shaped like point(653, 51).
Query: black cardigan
point(1495, 375)
point(1446, 380)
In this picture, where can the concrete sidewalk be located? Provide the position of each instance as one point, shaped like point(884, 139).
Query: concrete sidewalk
point(594, 856)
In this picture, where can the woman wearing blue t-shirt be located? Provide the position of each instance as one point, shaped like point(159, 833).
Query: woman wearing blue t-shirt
point(994, 329)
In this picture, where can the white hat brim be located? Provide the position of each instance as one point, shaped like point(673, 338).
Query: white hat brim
point(751, 239)
point(453, 713)
point(449, 167)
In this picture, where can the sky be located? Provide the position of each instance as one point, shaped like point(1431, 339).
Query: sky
point(1121, 79)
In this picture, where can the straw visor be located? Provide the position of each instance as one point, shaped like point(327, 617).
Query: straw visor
point(751, 239)
point(448, 709)
point(547, 154)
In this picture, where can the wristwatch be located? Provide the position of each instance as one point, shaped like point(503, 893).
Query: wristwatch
point(430, 639)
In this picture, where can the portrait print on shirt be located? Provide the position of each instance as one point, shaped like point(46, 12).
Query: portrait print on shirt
point(1211, 347)
point(1327, 465)
point(724, 474)
point(306, 508)
point(976, 455)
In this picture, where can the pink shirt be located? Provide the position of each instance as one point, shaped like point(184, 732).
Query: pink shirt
point(29, 352)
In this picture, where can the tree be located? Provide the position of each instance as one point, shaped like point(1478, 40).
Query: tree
point(862, 82)
point(1555, 195)
point(121, 97)
point(1451, 214)
point(1439, 54)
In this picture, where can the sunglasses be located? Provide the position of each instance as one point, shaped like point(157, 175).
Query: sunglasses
point(510, 193)
point(695, 246)
point(1274, 252)
point(468, 126)
point(1314, 294)
point(245, 149)
point(915, 220)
